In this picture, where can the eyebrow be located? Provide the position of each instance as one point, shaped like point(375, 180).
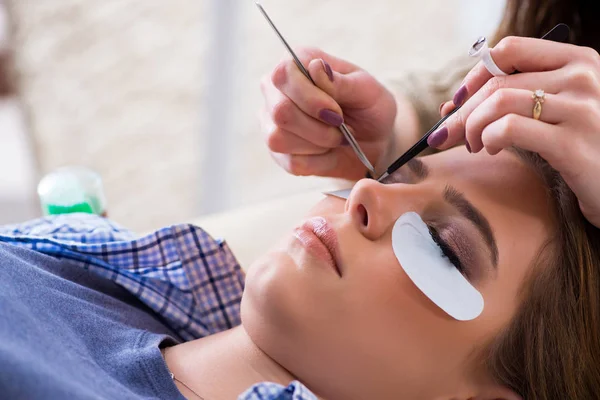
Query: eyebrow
point(418, 168)
point(469, 211)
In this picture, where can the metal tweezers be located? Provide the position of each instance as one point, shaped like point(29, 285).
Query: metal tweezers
point(353, 143)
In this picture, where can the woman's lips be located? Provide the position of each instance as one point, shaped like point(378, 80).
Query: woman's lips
point(319, 238)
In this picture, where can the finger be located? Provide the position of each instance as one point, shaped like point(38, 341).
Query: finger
point(446, 108)
point(309, 98)
point(323, 75)
point(455, 125)
point(549, 141)
point(336, 163)
point(520, 54)
point(307, 54)
point(533, 55)
point(357, 89)
point(287, 116)
point(281, 141)
point(555, 110)
point(305, 165)
point(474, 80)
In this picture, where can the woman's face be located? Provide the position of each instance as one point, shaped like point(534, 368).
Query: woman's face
point(359, 328)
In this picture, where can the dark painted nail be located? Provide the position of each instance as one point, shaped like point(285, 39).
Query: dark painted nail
point(331, 117)
point(327, 69)
point(437, 138)
point(468, 146)
point(442, 106)
point(460, 96)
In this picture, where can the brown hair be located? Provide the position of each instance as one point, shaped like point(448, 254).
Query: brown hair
point(533, 18)
point(552, 348)
point(6, 81)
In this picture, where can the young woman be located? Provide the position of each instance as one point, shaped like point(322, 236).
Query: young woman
point(330, 312)
point(300, 123)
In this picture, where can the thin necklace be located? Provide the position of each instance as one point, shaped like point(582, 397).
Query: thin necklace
point(188, 388)
point(162, 352)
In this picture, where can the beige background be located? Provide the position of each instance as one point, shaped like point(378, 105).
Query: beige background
point(123, 86)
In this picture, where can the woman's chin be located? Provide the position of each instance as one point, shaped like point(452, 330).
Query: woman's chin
point(268, 309)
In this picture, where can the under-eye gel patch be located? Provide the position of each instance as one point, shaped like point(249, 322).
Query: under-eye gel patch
point(342, 194)
point(425, 264)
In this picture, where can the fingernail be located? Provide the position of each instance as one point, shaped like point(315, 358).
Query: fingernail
point(460, 96)
point(327, 69)
point(331, 117)
point(438, 137)
point(468, 146)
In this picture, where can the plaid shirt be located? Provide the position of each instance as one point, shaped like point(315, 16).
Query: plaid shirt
point(192, 280)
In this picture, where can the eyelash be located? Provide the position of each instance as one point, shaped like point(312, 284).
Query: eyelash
point(447, 250)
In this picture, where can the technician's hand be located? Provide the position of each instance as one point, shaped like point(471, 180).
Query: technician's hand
point(498, 111)
point(301, 121)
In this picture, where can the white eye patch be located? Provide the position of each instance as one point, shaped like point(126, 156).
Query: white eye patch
point(342, 194)
point(425, 264)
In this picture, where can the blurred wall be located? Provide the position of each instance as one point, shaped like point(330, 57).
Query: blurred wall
point(136, 88)
point(17, 166)
point(116, 85)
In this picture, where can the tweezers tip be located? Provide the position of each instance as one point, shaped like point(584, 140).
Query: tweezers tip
point(383, 176)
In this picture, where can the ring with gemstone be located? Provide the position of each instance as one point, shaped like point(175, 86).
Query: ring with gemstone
point(539, 97)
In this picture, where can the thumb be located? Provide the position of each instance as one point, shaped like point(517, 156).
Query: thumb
point(353, 89)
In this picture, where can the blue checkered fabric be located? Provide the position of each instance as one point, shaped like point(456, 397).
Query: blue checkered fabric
point(192, 280)
point(272, 391)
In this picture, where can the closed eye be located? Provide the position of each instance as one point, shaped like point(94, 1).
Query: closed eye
point(447, 250)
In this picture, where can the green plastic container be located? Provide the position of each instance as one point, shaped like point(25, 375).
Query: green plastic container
point(71, 190)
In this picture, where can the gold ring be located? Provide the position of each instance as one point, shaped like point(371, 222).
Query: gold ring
point(539, 97)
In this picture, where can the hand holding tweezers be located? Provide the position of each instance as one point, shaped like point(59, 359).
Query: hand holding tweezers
point(345, 131)
point(560, 33)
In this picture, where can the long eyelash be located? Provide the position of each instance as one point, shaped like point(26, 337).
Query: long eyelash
point(446, 249)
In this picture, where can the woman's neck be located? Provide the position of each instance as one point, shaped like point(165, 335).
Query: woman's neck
point(222, 366)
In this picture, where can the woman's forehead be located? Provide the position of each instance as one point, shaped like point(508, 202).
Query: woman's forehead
point(505, 169)
point(503, 180)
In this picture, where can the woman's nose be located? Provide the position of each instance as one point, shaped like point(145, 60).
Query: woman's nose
point(372, 207)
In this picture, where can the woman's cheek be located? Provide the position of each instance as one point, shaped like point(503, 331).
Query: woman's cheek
point(375, 281)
